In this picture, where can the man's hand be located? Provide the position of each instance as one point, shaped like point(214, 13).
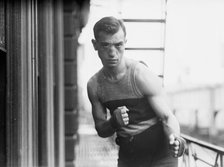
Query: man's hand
point(177, 145)
point(120, 117)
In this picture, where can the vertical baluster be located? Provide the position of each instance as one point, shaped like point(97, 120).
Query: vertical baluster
point(216, 160)
point(221, 160)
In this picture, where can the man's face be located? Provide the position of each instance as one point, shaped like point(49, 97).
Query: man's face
point(110, 48)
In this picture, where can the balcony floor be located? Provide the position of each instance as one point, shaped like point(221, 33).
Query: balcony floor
point(93, 150)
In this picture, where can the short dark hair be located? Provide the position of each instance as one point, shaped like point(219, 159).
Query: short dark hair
point(109, 25)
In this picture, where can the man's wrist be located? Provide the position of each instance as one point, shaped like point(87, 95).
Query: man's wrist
point(113, 124)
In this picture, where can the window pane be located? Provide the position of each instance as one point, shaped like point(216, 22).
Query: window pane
point(147, 9)
point(145, 34)
point(154, 59)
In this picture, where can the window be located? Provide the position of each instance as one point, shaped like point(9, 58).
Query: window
point(145, 31)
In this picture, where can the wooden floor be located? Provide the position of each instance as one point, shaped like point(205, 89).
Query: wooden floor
point(93, 151)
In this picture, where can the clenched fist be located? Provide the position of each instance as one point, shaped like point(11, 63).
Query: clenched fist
point(120, 117)
point(177, 145)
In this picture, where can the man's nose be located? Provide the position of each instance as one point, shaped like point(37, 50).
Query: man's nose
point(112, 50)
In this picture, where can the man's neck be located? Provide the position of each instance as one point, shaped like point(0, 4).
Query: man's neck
point(116, 73)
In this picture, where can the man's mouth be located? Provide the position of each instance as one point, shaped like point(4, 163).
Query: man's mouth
point(112, 60)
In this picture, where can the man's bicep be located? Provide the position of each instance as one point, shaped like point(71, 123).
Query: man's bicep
point(160, 106)
point(147, 82)
point(150, 86)
point(91, 92)
point(98, 110)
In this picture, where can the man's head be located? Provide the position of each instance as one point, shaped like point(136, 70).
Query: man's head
point(110, 39)
point(108, 25)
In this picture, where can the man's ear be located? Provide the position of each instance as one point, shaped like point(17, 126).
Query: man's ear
point(125, 41)
point(94, 44)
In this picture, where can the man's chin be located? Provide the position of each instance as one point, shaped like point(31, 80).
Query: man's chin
point(112, 65)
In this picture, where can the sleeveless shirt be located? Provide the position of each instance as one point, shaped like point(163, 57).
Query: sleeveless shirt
point(125, 92)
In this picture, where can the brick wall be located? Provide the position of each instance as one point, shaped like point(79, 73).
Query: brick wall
point(73, 22)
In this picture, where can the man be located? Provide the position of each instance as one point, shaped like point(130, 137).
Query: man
point(147, 132)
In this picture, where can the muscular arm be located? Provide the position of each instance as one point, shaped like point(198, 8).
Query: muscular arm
point(102, 125)
point(151, 87)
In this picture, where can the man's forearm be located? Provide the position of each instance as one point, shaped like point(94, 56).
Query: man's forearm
point(105, 129)
point(171, 126)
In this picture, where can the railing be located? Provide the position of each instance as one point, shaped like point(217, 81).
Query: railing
point(201, 154)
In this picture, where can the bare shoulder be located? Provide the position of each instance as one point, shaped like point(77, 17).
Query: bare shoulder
point(129, 62)
point(92, 82)
point(92, 87)
point(145, 71)
point(147, 81)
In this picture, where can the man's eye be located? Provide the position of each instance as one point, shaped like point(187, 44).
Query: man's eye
point(119, 44)
point(105, 44)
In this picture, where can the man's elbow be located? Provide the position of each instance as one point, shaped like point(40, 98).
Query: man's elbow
point(101, 133)
point(168, 117)
point(164, 118)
